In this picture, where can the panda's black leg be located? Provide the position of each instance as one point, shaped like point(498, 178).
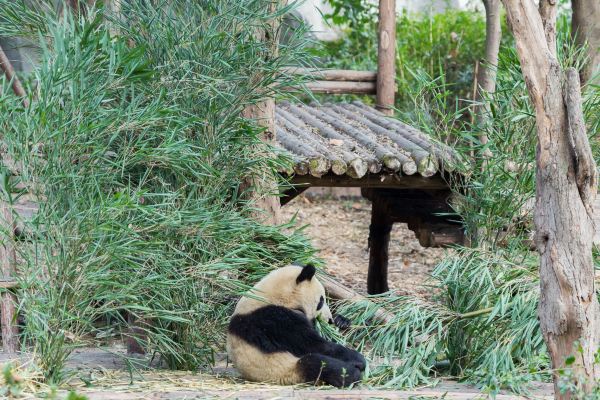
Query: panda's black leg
point(320, 367)
point(344, 354)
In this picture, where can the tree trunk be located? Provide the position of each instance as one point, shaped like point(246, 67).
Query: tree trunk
point(487, 72)
point(585, 26)
point(565, 190)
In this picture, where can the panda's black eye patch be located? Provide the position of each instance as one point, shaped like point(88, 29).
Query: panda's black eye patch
point(321, 302)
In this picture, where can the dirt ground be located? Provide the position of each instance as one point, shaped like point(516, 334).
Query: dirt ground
point(339, 228)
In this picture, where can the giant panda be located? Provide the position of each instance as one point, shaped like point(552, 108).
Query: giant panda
point(273, 338)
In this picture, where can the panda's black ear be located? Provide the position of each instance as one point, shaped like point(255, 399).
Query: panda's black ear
point(307, 273)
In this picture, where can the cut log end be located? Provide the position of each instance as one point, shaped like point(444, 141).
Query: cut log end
point(427, 167)
point(318, 166)
point(357, 168)
point(392, 163)
point(409, 168)
point(339, 167)
point(301, 167)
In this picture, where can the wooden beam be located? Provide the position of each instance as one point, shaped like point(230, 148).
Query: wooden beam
point(334, 74)
point(292, 193)
point(8, 283)
point(373, 181)
point(341, 87)
point(386, 56)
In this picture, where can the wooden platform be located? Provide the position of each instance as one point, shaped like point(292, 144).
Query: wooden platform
point(106, 378)
point(354, 139)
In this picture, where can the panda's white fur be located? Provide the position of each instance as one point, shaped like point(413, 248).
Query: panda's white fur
point(272, 338)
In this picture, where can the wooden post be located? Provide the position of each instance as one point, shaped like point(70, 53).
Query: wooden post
point(262, 188)
point(386, 56)
point(8, 263)
point(379, 240)
point(136, 335)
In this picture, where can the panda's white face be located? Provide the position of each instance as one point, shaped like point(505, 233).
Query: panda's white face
point(293, 287)
point(311, 296)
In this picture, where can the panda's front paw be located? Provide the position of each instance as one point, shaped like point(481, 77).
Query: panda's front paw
point(360, 362)
point(341, 322)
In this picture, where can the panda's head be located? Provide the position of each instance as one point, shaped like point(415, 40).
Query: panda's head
point(296, 288)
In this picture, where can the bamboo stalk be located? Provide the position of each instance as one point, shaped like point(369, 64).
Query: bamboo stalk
point(8, 283)
point(426, 164)
point(338, 165)
point(445, 154)
point(317, 164)
point(353, 164)
point(391, 161)
point(372, 163)
point(338, 291)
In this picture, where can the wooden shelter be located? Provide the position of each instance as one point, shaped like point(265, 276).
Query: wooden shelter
point(401, 170)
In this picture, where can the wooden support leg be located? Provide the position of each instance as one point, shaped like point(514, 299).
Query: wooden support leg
point(379, 239)
point(137, 335)
point(8, 261)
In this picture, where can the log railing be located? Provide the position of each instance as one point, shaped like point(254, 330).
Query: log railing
point(380, 83)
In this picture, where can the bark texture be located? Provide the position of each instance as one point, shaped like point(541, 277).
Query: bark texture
point(565, 190)
point(262, 188)
point(586, 28)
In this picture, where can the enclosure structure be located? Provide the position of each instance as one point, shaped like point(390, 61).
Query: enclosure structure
point(398, 168)
point(401, 170)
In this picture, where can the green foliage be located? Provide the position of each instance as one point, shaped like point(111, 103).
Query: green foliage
point(570, 381)
point(11, 383)
point(490, 339)
point(136, 147)
point(445, 45)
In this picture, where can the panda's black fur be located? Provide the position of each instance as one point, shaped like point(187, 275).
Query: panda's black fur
point(275, 340)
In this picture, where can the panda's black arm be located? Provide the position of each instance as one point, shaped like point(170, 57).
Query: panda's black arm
point(273, 329)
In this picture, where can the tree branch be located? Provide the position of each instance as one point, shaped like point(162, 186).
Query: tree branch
point(535, 54)
point(9, 72)
point(548, 14)
point(581, 152)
